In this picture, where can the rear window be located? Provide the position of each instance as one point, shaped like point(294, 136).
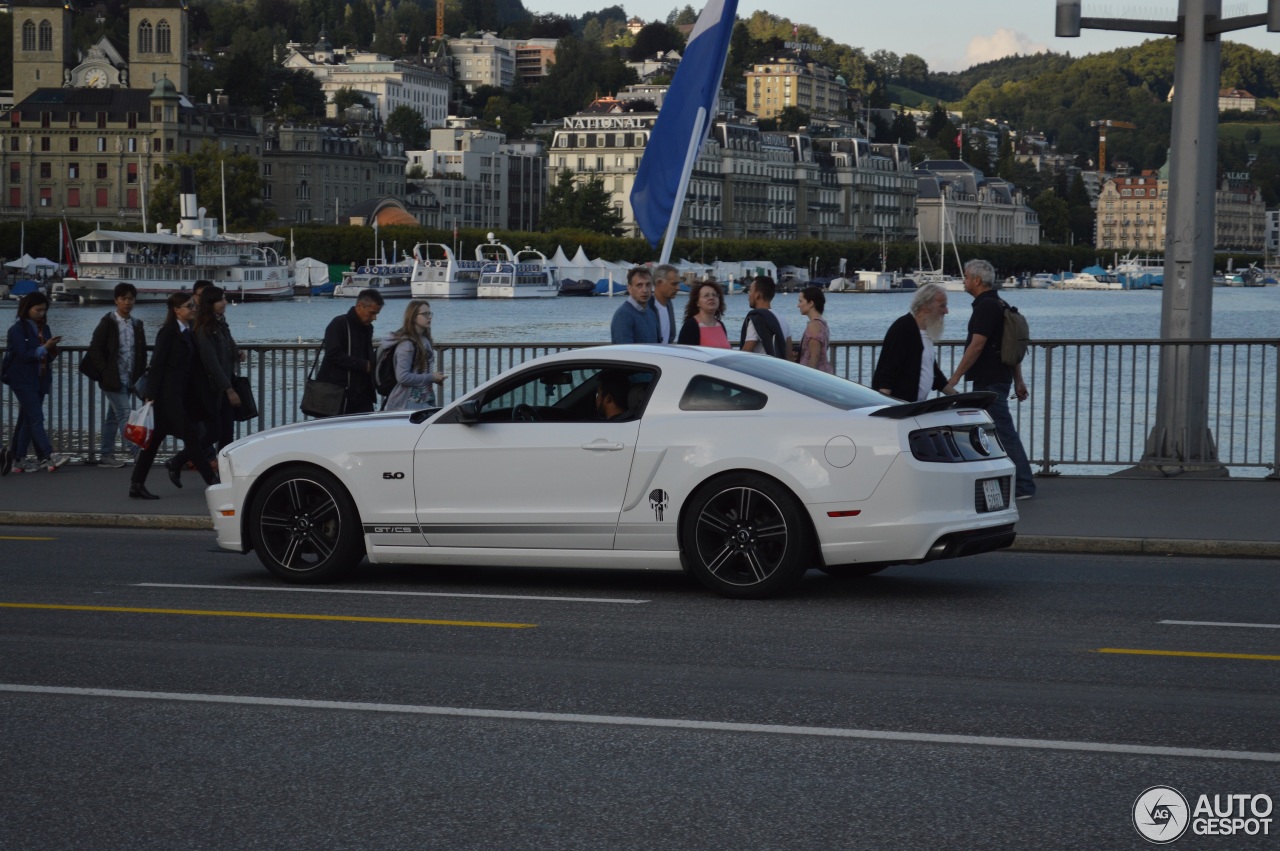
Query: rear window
point(709, 394)
point(836, 392)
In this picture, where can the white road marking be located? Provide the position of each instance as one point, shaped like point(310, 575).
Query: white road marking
point(391, 593)
point(1214, 623)
point(663, 723)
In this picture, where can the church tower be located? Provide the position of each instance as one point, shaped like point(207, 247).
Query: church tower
point(42, 49)
point(158, 43)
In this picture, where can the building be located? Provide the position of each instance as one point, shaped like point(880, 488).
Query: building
point(1271, 244)
point(749, 184)
point(526, 183)
point(92, 153)
point(467, 171)
point(1236, 99)
point(385, 83)
point(483, 61)
point(973, 208)
point(1132, 214)
point(790, 80)
point(534, 58)
point(316, 173)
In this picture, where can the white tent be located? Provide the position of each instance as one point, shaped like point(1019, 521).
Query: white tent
point(44, 263)
point(560, 260)
point(311, 272)
point(24, 262)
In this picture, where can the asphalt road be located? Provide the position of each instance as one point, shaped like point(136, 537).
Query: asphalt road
point(954, 705)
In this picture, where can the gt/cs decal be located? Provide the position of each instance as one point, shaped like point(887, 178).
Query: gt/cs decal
point(393, 475)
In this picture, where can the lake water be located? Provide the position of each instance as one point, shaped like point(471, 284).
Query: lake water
point(1250, 312)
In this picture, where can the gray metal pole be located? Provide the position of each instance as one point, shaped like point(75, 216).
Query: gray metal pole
point(1180, 440)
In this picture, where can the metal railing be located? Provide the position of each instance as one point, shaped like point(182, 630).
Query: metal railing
point(1091, 406)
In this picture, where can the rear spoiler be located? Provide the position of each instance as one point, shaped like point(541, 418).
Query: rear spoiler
point(981, 399)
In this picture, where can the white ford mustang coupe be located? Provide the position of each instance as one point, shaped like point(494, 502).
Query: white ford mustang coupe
point(741, 469)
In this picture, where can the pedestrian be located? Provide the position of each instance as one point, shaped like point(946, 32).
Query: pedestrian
point(908, 365)
point(666, 286)
point(816, 338)
point(175, 399)
point(981, 365)
point(702, 317)
point(635, 321)
point(218, 364)
point(28, 370)
point(764, 328)
point(116, 359)
point(412, 349)
point(348, 353)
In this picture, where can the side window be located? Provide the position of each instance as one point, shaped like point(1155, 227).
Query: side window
point(564, 393)
point(709, 394)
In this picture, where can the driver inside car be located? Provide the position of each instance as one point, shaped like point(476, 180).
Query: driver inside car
point(612, 389)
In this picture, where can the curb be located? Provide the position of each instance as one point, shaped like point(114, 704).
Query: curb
point(1146, 546)
point(123, 521)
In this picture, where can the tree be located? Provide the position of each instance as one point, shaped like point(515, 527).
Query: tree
point(245, 210)
point(913, 70)
point(792, 118)
point(407, 122)
point(903, 129)
point(586, 206)
point(653, 39)
point(347, 97)
point(1054, 216)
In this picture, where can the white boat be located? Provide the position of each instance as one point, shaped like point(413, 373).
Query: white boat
point(1140, 273)
point(1041, 281)
point(1087, 281)
point(442, 276)
point(391, 280)
point(249, 267)
point(506, 275)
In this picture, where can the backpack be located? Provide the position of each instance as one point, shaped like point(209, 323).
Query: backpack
point(772, 340)
point(1016, 337)
point(384, 373)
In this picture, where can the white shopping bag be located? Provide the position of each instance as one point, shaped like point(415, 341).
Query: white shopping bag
point(142, 424)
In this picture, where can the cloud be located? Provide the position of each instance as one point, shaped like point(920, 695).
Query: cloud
point(1001, 43)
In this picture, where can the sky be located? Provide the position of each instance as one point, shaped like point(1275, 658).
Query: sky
point(950, 36)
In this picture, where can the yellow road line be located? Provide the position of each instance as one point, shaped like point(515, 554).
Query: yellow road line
point(24, 538)
point(1189, 653)
point(277, 615)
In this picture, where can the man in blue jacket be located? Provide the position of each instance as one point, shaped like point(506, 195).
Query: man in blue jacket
point(635, 321)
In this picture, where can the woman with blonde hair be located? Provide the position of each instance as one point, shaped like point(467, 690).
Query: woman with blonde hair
point(414, 352)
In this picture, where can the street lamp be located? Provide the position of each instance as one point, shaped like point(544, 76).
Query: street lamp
point(1180, 441)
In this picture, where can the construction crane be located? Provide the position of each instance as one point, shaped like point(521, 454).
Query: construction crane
point(439, 18)
point(1102, 139)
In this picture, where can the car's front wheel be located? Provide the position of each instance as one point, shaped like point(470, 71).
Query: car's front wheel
point(744, 536)
point(304, 526)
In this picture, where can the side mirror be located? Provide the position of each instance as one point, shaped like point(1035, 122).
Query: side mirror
point(469, 412)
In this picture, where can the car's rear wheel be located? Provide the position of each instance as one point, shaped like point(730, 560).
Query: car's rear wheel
point(304, 526)
point(745, 536)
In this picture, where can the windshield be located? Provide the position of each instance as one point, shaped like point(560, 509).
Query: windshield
point(836, 392)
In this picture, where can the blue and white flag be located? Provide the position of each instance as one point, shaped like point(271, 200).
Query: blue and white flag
point(687, 112)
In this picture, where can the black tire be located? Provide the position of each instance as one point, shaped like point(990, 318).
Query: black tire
point(304, 526)
point(852, 571)
point(745, 536)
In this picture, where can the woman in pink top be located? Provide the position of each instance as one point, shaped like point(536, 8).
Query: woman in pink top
point(813, 344)
point(702, 325)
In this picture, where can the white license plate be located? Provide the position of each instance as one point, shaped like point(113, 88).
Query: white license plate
point(991, 492)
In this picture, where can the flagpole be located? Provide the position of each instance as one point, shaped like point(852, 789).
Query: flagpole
point(690, 157)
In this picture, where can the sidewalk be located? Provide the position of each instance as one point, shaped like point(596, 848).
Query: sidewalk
point(1097, 514)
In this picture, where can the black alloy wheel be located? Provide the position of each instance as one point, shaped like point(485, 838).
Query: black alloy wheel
point(745, 537)
point(304, 526)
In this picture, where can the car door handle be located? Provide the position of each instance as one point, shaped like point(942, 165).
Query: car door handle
point(603, 446)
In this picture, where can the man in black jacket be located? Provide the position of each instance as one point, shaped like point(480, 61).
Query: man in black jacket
point(348, 353)
point(116, 359)
point(908, 364)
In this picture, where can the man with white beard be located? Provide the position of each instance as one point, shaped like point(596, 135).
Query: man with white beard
point(908, 365)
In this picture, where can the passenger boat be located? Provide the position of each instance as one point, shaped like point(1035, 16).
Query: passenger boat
point(505, 275)
point(249, 267)
point(392, 280)
point(437, 273)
